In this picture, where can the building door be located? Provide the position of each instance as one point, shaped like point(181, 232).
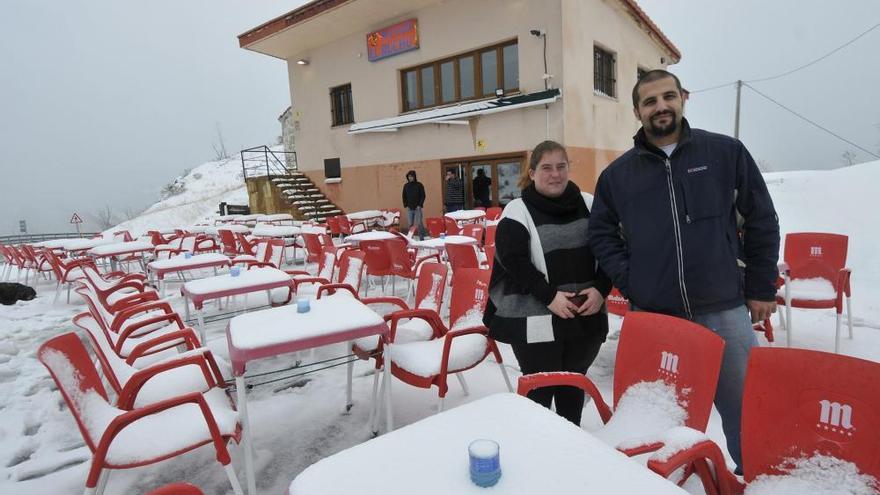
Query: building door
point(503, 172)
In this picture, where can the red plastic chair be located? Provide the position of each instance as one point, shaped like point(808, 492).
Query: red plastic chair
point(490, 235)
point(493, 212)
point(475, 231)
point(812, 258)
point(350, 264)
point(489, 249)
point(314, 247)
point(115, 290)
point(333, 226)
point(404, 261)
point(435, 226)
point(454, 348)
point(451, 226)
point(347, 227)
point(121, 439)
point(654, 347)
point(269, 252)
point(796, 403)
point(67, 271)
point(616, 303)
point(391, 218)
point(377, 259)
point(463, 256)
point(177, 489)
point(245, 245)
point(230, 246)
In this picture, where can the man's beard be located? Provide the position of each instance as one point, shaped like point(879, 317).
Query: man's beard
point(662, 131)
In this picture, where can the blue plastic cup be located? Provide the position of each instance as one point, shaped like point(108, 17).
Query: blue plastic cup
point(485, 462)
point(443, 235)
point(235, 271)
point(302, 305)
point(187, 255)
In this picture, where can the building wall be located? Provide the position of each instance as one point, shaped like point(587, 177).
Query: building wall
point(287, 136)
point(594, 121)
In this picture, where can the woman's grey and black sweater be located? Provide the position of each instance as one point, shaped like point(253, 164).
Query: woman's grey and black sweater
point(522, 284)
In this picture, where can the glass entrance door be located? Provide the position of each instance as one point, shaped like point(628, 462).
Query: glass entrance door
point(502, 175)
point(482, 176)
point(508, 181)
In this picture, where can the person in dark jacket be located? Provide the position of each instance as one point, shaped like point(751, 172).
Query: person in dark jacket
point(454, 191)
point(665, 229)
point(482, 186)
point(546, 295)
point(414, 200)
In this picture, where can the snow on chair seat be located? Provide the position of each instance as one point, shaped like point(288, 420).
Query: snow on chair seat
point(810, 289)
point(123, 439)
point(425, 358)
point(408, 330)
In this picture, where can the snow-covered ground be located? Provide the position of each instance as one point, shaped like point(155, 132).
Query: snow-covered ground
point(297, 422)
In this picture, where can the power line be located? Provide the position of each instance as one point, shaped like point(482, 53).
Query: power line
point(823, 57)
point(838, 136)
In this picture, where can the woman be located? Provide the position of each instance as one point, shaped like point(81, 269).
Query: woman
point(414, 200)
point(547, 294)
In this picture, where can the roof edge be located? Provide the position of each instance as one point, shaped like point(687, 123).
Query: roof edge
point(642, 16)
point(296, 16)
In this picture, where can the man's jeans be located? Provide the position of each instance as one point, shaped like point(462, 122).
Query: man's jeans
point(415, 218)
point(735, 327)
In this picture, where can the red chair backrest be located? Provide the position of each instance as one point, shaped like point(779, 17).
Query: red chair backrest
point(377, 257)
point(247, 246)
point(71, 367)
point(270, 251)
point(489, 249)
point(814, 254)
point(344, 224)
point(351, 268)
point(327, 264)
point(798, 402)
point(682, 353)
point(462, 256)
point(470, 293)
point(435, 226)
point(314, 247)
point(490, 235)
point(122, 236)
point(431, 286)
point(401, 260)
point(493, 212)
point(451, 227)
point(333, 225)
point(475, 231)
point(227, 238)
point(616, 303)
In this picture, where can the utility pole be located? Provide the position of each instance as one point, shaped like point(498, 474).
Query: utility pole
point(739, 85)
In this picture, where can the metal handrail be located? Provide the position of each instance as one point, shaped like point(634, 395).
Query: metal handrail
point(31, 238)
point(261, 161)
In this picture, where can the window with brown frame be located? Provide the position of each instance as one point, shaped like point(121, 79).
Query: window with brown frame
point(466, 76)
point(341, 108)
point(603, 72)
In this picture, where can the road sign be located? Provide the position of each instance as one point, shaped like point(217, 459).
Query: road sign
point(22, 226)
point(75, 219)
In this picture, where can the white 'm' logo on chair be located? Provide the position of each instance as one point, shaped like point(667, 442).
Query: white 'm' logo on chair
point(668, 362)
point(816, 251)
point(835, 415)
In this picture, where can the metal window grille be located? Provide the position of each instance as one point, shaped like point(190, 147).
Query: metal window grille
point(341, 106)
point(603, 72)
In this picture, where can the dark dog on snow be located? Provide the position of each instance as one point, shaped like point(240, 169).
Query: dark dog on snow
point(10, 293)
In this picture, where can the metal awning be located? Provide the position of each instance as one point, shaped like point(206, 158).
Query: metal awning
point(457, 114)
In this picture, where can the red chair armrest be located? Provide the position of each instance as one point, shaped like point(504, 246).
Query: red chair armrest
point(400, 303)
point(130, 330)
point(129, 392)
point(429, 315)
point(331, 289)
point(295, 283)
point(133, 299)
point(135, 309)
point(527, 383)
point(185, 337)
point(722, 481)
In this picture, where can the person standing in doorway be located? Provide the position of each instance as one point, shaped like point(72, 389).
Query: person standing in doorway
point(482, 186)
point(454, 191)
point(547, 295)
point(664, 228)
point(414, 201)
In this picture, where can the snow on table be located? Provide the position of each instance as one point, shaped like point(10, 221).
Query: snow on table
point(465, 215)
point(241, 229)
point(83, 244)
point(181, 263)
point(264, 230)
point(376, 235)
point(55, 243)
point(248, 280)
point(120, 248)
point(277, 217)
point(440, 242)
point(539, 451)
point(268, 332)
point(364, 215)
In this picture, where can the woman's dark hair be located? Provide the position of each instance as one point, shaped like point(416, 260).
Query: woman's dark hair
point(535, 158)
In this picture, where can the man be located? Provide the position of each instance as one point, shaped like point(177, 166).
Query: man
point(454, 191)
point(482, 184)
point(414, 200)
point(664, 227)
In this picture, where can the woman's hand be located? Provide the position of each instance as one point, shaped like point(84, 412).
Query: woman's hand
point(562, 307)
point(593, 303)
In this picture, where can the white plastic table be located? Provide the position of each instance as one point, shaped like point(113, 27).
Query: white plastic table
point(270, 332)
point(254, 280)
point(287, 218)
point(76, 245)
point(113, 251)
point(234, 227)
point(181, 263)
point(374, 235)
point(466, 216)
point(280, 231)
point(439, 243)
point(539, 452)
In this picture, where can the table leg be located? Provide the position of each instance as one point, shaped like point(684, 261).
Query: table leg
point(246, 438)
point(186, 308)
point(389, 421)
point(350, 366)
point(161, 283)
point(202, 332)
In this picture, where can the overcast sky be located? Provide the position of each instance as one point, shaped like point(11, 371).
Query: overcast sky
point(104, 102)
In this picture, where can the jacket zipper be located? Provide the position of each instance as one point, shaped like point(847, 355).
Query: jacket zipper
point(677, 232)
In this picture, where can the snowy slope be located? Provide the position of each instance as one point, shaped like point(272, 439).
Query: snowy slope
point(41, 450)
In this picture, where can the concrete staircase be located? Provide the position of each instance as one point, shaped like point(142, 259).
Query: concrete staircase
point(304, 197)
